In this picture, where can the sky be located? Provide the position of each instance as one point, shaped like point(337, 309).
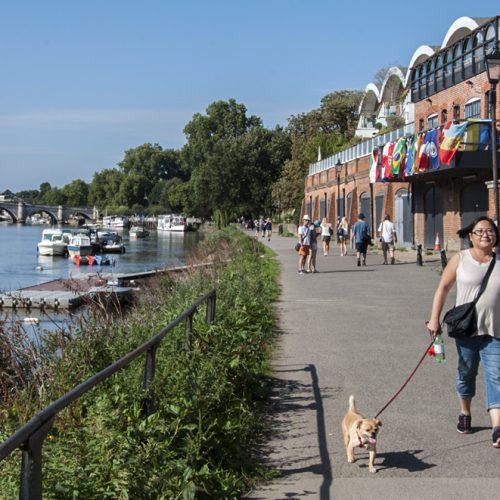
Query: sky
point(82, 81)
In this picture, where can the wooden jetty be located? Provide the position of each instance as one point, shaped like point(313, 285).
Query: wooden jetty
point(62, 293)
point(71, 293)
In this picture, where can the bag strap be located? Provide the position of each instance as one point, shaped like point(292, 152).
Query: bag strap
point(486, 278)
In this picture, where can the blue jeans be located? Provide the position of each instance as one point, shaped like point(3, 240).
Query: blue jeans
point(470, 352)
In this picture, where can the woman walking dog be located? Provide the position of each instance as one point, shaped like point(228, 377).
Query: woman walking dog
point(467, 269)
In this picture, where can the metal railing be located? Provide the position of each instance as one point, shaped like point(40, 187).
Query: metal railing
point(364, 148)
point(30, 437)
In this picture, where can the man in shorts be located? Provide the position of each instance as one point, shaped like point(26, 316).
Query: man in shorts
point(361, 237)
point(388, 237)
point(304, 234)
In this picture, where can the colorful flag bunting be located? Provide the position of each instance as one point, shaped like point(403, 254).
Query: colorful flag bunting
point(398, 157)
point(374, 171)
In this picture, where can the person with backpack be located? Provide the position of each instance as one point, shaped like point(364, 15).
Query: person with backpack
point(362, 238)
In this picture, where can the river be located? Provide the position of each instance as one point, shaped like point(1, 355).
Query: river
point(21, 266)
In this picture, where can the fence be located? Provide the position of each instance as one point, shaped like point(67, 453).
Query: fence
point(31, 436)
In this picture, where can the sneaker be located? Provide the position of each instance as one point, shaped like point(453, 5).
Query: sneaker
point(359, 263)
point(496, 437)
point(364, 262)
point(300, 271)
point(464, 424)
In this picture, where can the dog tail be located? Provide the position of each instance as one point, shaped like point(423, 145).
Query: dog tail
point(352, 404)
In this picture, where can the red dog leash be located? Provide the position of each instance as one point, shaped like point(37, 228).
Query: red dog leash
point(407, 380)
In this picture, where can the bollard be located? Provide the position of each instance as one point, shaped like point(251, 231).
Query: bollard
point(444, 259)
point(419, 255)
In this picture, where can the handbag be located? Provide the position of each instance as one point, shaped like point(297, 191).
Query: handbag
point(297, 246)
point(461, 321)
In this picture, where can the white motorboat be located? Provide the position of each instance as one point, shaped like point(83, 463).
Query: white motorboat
point(79, 244)
point(138, 233)
point(53, 242)
point(116, 221)
point(171, 222)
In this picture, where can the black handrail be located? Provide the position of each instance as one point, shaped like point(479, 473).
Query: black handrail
point(30, 437)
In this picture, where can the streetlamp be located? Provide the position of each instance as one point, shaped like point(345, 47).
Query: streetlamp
point(493, 69)
point(338, 168)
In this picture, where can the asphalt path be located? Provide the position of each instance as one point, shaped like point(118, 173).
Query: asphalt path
point(360, 330)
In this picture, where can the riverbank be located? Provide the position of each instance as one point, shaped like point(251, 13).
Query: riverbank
point(197, 443)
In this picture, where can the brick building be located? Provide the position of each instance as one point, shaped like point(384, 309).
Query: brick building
point(441, 84)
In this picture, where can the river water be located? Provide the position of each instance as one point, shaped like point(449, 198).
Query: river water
point(21, 266)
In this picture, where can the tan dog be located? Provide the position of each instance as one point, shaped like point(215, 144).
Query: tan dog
point(362, 432)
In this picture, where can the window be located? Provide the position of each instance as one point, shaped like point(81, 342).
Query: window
point(448, 73)
point(456, 113)
point(473, 109)
point(457, 64)
point(479, 53)
point(490, 39)
point(439, 73)
point(432, 121)
point(421, 124)
point(430, 77)
point(423, 82)
point(444, 116)
point(414, 85)
point(468, 68)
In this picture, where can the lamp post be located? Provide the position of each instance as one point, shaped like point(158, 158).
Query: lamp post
point(493, 69)
point(338, 168)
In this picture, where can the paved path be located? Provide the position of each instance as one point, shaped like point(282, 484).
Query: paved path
point(350, 330)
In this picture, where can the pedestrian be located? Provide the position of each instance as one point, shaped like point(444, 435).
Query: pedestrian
point(468, 268)
point(304, 234)
point(269, 229)
point(388, 238)
point(343, 235)
point(311, 261)
point(362, 237)
point(326, 235)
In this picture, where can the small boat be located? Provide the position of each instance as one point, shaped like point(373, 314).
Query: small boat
point(171, 222)
point(138, 233)
point(79, 245)
point(104, 260)
point(53, 242)
point(83, 260)
point(111, 242)
point(115, 221)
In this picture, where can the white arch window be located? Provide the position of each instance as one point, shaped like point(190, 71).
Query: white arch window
point(472, 109)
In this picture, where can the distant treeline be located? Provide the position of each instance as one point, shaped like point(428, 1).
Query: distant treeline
point(230, 164)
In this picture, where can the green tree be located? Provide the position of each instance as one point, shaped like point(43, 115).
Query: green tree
point(133, 191)
point(104, 188)
point(54, 196)
point(76, 193)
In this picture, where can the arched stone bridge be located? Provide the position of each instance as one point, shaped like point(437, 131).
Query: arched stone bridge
point(19, 211)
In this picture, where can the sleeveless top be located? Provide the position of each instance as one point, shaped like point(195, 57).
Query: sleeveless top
point(470, 274)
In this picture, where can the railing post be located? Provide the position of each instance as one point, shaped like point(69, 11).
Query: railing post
point(187, 331)
point(30, 487)
point(210, 315)
point(149, 373)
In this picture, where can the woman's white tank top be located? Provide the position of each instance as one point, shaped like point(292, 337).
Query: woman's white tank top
point(470, 274)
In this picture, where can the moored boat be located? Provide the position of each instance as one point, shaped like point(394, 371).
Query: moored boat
point(53, 242)
point(79, 244)
point(171, 222)
point(138, 233)
point(111, 242)
point(115, 221)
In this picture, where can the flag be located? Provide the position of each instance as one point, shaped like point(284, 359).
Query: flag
point(416, 158)
point(410, 155)
point(478, 136)
point(387, 160)
point(432, 148)
point(398, 157)
point(374, 171)
point(452, 137)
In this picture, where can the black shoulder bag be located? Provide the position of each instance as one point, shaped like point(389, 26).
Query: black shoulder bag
point(461, 321)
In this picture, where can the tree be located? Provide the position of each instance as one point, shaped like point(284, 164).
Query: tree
point(76, 193)
point(104, 188)
point(133, 191)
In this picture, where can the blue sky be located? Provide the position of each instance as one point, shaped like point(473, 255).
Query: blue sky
point(82, 81)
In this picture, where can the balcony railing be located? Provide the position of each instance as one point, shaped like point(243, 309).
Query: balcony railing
point(364, 148)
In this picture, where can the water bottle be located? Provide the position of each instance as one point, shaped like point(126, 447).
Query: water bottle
point(438, 346)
